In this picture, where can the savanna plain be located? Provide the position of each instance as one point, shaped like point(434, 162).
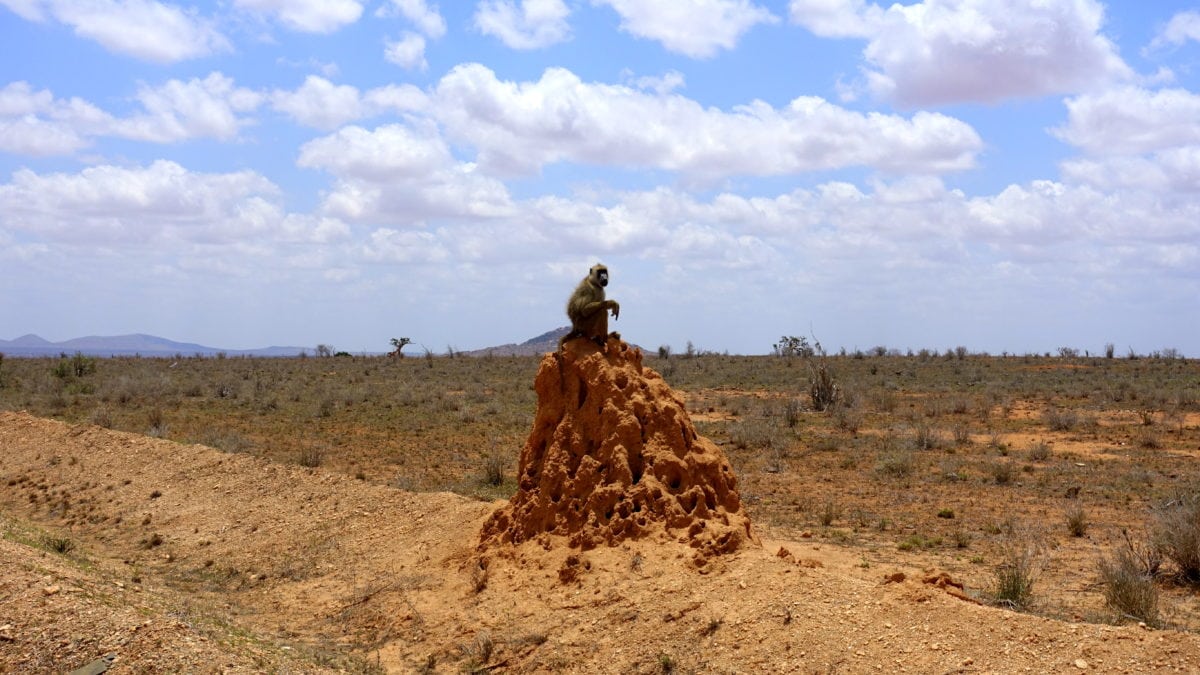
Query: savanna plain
point(920, 512)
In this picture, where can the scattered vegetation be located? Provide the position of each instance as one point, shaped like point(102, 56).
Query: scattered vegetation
point(57, 544)
point(1015, 576)
point(1176, 534)
point(1129, 589)
point(311, 456)
point(900, 423)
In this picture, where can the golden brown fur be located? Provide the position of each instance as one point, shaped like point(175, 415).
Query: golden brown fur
point(588, 309)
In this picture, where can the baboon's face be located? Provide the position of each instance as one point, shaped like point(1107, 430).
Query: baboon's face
point(600, 275)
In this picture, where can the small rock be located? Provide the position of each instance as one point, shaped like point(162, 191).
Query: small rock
point(51, 590)
point(1081, 664)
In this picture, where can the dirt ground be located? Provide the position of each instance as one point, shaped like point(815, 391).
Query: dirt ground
point(170, 557)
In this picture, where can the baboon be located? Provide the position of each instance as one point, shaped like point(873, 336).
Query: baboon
point(588, 310)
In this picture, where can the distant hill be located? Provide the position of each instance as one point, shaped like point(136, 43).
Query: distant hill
point(546, 342)
point(128, 345)
point(140, 344)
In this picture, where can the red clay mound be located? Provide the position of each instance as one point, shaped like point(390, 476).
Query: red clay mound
point(614, 456)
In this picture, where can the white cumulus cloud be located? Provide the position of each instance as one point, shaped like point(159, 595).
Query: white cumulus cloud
point(408, 52)
point(518, 127)
point(695, 28)
point(160, 202)
point(1132, 120)
point(144, 29)
point(397, 174)
point(178, 111)
point(946, 51)
point(36, 123)
point(322, 104)
point(1135, 139)
point(531, 24)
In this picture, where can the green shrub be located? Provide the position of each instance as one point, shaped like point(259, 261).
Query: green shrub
point(57, 544)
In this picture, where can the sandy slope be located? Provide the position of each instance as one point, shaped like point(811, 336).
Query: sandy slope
point(240, 565)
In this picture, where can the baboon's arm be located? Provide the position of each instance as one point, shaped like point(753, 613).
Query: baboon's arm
point(600, 306)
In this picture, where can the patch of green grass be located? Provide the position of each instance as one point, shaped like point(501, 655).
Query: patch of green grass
point(919, 542)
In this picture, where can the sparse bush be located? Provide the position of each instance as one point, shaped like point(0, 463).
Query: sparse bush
point(1128, 589)
point(102, 418)
point(962, 538)
point(76, 366)
point(884, 401)
point(479, 652)
point(158, 424)
point(1040, 452)
point(1176, 534)
point(57, 544)
point(919, 541)
point(962, 435)
point(1077, 520)
point(823, 390)
point(792, 410)
point(493, 470)
point(926, 437)
point(829, 512)
point(1015, 577)
point(1149, 440)
point(898, 464)
point(311, 456)
point(951, 470)
point(847, 419)
point(1002, 473)
point(226, 440)
point(1059, 419)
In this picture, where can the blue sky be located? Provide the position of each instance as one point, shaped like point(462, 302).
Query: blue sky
point(1016, 175)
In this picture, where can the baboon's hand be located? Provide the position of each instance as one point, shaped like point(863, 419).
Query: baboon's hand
point(616, 309)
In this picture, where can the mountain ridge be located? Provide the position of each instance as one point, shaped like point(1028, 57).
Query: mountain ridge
point(142, 344)
point(132, 344)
